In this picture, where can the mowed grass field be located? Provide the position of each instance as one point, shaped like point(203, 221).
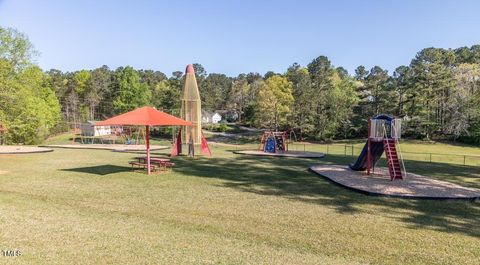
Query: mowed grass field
point(87, 207)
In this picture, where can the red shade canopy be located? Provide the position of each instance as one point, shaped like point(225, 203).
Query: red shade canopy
point(144, 116)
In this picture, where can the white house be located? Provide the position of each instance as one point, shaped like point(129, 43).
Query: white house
point(216, 117)
point(208, 117)
point(89, 129)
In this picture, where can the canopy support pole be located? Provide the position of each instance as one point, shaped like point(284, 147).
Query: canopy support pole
point(147, 142)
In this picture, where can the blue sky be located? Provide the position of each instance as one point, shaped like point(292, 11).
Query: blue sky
point(233, 37)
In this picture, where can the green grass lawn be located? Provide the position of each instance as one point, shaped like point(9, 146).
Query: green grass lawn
point(86, 207)
point(411, 150)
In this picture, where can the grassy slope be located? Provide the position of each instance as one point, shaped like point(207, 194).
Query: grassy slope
point(76, 206)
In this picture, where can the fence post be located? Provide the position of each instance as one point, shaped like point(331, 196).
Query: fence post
point(345, 151)
point(430, 157)
point(327, 149)
point(464, 159)
point(303, 147)
point(352, 149)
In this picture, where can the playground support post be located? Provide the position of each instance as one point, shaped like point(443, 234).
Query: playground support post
point(401, 157)
point(147, 140)
point(369, 155)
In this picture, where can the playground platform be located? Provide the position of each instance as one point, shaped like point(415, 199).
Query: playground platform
point(297, 154)
point(113, 147)
point(22, 149)
point(414, 186)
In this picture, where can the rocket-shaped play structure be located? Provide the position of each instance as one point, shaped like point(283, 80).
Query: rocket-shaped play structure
point(191, 108)
point(192, 112)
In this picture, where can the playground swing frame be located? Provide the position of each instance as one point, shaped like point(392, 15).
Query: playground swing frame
point(130, 135)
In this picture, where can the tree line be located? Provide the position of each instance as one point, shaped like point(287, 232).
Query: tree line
point(437, 95)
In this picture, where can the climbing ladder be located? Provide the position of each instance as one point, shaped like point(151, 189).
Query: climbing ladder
point(280, 142)
point(273, 142)
point(393, 160)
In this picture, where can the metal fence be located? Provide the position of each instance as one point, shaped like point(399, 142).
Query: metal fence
point(349, 150)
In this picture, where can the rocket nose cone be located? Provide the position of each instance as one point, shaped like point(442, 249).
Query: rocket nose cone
point(190, 69)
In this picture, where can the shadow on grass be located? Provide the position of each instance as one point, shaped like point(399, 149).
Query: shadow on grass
point(237, 139)
point(290, 178)
point(468, 176)
point(99, 170)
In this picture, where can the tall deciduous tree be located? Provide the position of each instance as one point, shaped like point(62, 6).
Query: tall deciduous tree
point(303, 110)
point(402, 77)
point(343, 98)
point(238, 97)
point(28, 105)
point(462, 104)
point(16, 48)
point(200, 74)
point(131, 93)
point(214, 91)
point(100, 96)
point(321, 74)
point(274, 102)
point(432, 81)
point(82, 87)
point(376, 85)
point(166, 98)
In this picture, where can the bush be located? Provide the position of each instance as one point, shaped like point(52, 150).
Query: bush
point(61, 127)
point(222, 127)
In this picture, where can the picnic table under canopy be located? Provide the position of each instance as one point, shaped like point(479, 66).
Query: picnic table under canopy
point(148, 117)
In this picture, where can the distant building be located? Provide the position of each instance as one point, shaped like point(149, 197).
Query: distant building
point(216, 117)
point(89, 129)
point(211, 117)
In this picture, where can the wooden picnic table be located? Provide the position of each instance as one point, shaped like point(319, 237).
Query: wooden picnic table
point(154, 161)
